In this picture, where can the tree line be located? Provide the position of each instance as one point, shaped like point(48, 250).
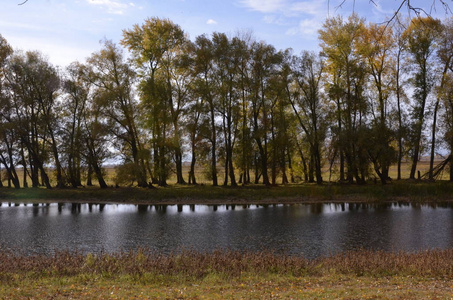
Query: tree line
point(375, 95)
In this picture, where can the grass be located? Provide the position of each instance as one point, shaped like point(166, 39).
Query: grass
point(403, 191)
point(228, 275)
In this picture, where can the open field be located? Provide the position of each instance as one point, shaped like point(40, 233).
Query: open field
point(227, 275)
point(423, 167)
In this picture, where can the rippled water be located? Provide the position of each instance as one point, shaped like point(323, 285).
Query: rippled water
point(311, 230)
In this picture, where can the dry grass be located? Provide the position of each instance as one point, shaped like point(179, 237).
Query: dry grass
point(227, 275)
point(191, 264)
point(423, 167)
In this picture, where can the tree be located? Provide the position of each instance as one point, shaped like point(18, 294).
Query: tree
point(204, 86)
point(5, 52)
point(346, 83)
point(84, 134)
point(155, 47)
point(225, 62)
point(444, 92)
point(398, 70)
point(375, 47)
point(420, 37)
point(34, 85)
point(114, 81)
point(307, 104)
point(264, 63)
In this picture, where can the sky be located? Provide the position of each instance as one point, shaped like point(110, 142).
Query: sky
point(70, 30)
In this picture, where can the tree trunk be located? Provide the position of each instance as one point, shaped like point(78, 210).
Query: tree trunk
point(213, 147)
point(433, 140)
point(60, 179)
point(263, 157)
point(178, 162)
point(97, 170)
point(89, 175)
point(192, 178)
point(231, 170)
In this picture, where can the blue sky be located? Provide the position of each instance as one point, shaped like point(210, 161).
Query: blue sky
point(69, 30)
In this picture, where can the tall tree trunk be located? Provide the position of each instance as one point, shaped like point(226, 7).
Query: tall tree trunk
point(192, 178)
point(178, 162)
point(290, 167)
point(89, 175)
point(24, 164)
point(34, 172)
point(44, 177)
point(433, 141)
point(213, 146)
point(60, 179)
point(304, 161)
point(11, 171)
point(317, 158)
point(400, 118)
point(97, 170)
point(231, 170)
point(263, 157)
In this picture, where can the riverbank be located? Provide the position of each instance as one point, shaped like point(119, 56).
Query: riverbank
point(402, 191)
point(227, 275)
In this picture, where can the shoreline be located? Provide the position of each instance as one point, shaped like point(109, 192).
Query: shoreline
point(401, 192)
point(238, 202)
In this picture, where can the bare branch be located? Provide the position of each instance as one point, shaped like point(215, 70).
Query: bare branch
point(23, 2)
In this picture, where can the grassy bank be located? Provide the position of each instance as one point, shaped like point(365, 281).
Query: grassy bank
point(404, 191)
point(223, 274)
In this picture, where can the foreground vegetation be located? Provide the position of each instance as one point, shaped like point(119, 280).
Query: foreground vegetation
point(226, 274)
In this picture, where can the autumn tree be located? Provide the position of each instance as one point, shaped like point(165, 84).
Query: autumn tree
point(225, 68)
point(444, 92)
point(307, 103)
point(264, 64)
point(114, 82)
point(34, 86)
point(84, 129)
point(204, 90)
point(346, 84)
point(420, 37)
point(155, 46)
point(5, 51)
point(376, 48)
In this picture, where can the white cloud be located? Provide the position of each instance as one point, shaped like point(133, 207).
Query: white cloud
point(211, 22)
point(265, 6)
point(112, 6)
point(307, 28)
point(301, 18)
point(276, 20)
point(287, 7)
point(309, 8)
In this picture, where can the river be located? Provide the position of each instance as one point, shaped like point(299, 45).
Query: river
point(309, 230)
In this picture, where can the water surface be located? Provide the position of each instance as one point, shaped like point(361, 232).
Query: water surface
point(310, 230)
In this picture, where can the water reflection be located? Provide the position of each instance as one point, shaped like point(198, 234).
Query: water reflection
point(311, 230)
